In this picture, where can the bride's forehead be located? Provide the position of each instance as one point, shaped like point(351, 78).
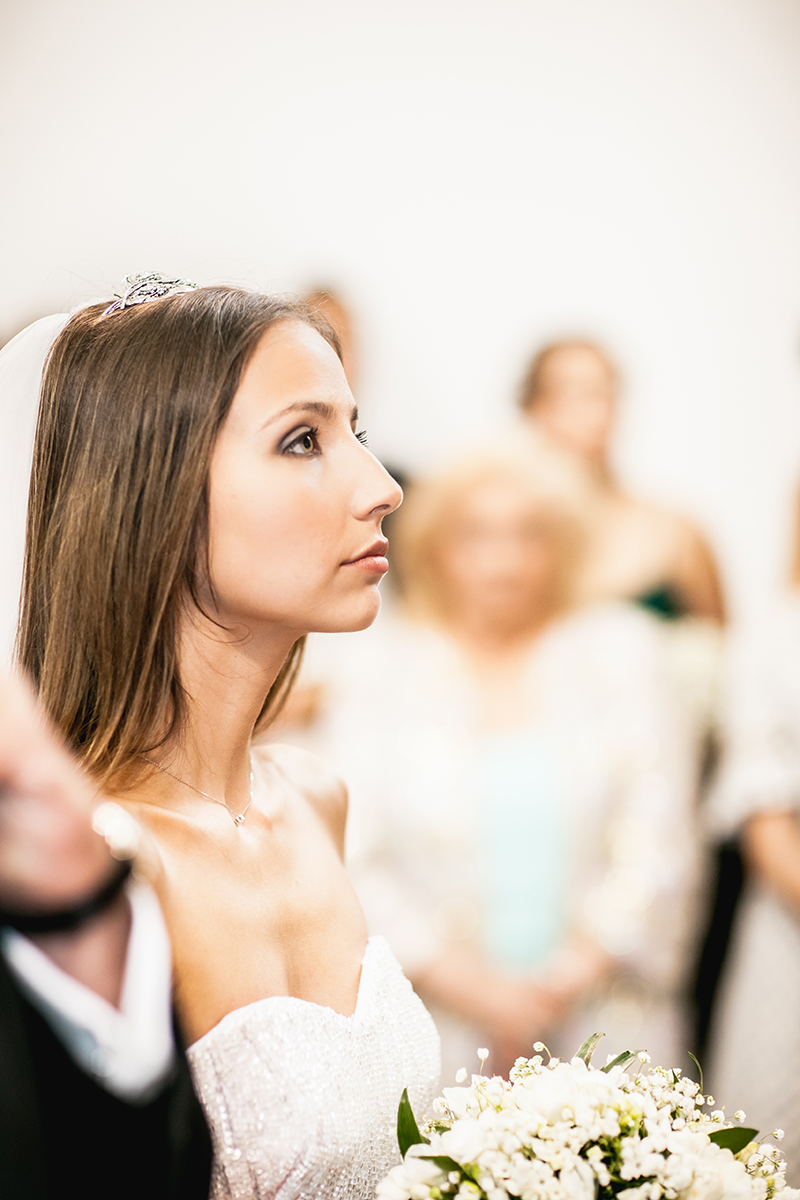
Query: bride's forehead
point(292, 361)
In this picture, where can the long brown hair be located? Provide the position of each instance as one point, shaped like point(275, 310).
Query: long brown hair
point(117, 535)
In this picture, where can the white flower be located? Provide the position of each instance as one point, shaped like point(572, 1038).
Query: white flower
point(558, 1131)
point(401, 1182)
point(392, 1188)
point(578, 1181)
point(465, 1142)
point(461, 1074)
point(778, 1134)
point(718, 1174)
point(457, 1099)
point(739, 1115)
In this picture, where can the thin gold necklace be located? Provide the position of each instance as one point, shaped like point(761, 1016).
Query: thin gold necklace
point(238, 818)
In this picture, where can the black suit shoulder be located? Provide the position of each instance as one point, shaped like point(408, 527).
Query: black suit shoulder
point(61, 1132)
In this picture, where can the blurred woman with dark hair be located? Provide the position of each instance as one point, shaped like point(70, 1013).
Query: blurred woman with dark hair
point(660, 561)
point(329, 304)
point(640, 551)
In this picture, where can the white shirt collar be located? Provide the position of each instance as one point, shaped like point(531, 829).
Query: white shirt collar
point(128, 1050)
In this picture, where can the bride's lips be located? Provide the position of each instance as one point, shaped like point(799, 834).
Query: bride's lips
point(372, 559)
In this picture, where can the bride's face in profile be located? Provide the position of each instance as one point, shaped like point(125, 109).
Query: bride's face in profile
point(296, 500)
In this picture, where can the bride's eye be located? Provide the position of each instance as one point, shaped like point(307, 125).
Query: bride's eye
point(303, 443)
point(361, 436)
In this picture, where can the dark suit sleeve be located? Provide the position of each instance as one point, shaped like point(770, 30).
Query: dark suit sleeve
point(22, 1171)
point(61, 1132)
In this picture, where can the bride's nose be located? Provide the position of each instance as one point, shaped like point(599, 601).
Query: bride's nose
point(378, 494)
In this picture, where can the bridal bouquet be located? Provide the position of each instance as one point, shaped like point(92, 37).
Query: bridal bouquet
point(572, 1131)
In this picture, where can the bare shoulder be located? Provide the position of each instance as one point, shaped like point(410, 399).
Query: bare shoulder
point(655, 521)
point(324, 790)
point(147, 827)
point(690, 562)
point(670, 525)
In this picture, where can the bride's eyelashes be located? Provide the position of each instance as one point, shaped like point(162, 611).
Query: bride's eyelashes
point(303, 443)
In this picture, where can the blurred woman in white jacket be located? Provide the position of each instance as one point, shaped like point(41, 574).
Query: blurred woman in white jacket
point(520, 822)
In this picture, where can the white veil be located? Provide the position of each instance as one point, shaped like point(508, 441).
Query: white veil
point(21, 365)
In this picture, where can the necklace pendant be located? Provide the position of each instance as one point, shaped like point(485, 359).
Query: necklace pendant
point(238, 818)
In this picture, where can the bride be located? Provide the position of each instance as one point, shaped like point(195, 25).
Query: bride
point(200, 500)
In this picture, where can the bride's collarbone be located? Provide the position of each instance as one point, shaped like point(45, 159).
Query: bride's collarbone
point(261, 909)
point(280, 870)
point(287, 805)
point(264, 866)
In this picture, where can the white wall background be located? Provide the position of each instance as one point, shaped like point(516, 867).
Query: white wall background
point(475, 175)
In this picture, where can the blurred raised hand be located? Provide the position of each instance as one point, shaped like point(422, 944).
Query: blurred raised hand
point(51, 858)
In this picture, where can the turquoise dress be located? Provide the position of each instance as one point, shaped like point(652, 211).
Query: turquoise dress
point(524, 839)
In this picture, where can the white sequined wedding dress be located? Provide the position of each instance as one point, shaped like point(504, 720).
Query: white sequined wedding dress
point(302, 1101)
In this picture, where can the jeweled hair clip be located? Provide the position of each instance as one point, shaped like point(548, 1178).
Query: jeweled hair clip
point(141, 288)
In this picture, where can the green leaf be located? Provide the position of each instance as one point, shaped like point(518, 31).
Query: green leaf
point(442, 1162)
point(408, 1133)
point(621, 1060)
point(700, 1069)
point(734, 1139)
point(589, 1046)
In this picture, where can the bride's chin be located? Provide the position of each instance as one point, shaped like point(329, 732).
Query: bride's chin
point(357, 617)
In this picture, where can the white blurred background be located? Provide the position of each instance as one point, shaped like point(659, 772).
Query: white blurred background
point(474, 177)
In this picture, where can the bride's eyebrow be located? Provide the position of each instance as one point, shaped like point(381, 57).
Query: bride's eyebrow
point(320, 408)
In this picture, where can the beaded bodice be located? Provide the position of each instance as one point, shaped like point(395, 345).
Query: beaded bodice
point(302, 1101)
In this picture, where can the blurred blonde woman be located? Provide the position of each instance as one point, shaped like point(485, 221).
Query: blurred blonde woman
point(520, 824)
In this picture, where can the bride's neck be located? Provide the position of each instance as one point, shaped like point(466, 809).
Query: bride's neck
point(225, 677)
